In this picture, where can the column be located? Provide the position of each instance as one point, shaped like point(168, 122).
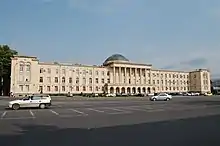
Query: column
point(114, 75)
point(145, 76)
point(140, 75)
point(135, 74)
point(125, 75)
point(119, 75)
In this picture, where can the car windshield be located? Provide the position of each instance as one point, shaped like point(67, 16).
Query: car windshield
point(26, 98)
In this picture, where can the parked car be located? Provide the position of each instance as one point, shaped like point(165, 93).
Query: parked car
point(30, 102)
point(111, 95)
point(208, 94)
point(161, 96)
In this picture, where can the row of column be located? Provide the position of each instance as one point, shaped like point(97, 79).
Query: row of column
point(130, 71)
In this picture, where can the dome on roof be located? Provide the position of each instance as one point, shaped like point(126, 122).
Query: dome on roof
point(116, 57)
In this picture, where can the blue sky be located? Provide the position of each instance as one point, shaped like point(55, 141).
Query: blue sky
point(171, 34)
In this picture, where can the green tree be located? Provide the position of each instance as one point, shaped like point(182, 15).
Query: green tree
point(5, 68)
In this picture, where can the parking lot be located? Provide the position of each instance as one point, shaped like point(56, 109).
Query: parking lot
point(74, 109)
point(181, 121)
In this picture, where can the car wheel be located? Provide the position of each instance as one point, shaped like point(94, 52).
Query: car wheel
point(15, 106)
point(42, 106)
point(154, 99)
point(167, 99)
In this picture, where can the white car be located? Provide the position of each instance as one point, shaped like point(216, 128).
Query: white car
point(111, 95)
point(161, 96)
point(31, 102)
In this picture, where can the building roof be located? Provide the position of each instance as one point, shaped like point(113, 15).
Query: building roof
point(116, 57)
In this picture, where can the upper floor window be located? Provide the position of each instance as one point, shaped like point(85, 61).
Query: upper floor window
point(84, 80)
point(103, 73)
point(108, 73)
point(48, 70)
point(41, 80)
point(63, 79)
point(57, 71)
point(77, 80)
point(97, 73)
point(63, 71)
point(28, 67)
point(56, 80)
point(70, 80)
point(90, 80)
point(97, 80)
point(21, 67)
point(90, 72)
point(41, 70)
point(103, 81)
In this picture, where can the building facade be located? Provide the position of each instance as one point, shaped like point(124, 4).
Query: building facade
point(116, 75)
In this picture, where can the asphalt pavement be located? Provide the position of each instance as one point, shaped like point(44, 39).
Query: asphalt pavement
point(179, 122)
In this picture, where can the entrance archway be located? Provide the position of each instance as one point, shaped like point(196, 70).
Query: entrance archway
point(123, 90)
point(148, 90)
point(111, 90)
point(144, 90)
point(133, 90)
point(128, 90)
point(139, 90)
point(117, 90)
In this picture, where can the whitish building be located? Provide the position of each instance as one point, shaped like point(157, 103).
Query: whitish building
point(116, 75)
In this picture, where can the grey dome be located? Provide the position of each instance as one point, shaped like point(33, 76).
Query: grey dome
point(116, 57)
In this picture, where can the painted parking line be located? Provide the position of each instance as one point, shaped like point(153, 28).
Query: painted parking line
point(52, 111)
point(32, 114)
point(18, 118)
point(133, 109)
point(79, 112)
point(117, 111)
point(92, 109)
point(3, 114)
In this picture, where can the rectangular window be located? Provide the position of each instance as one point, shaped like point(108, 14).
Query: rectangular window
point(108, 80)
point(103, 73)
point(70, 88)
point(41, 80)
point(63, 88)
point(90, 88)
point(103, 81)
point(56, 88)
point(27, 88)
point(48, 88)
point(41, 70)
point(56, 79)
point(21, 87)
point(41, 88)
point(97, 80)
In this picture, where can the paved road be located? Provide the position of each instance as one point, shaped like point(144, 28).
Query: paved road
point(180, 122)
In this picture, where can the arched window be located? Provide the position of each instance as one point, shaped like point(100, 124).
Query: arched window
point(28, 67)
point(21, 67)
